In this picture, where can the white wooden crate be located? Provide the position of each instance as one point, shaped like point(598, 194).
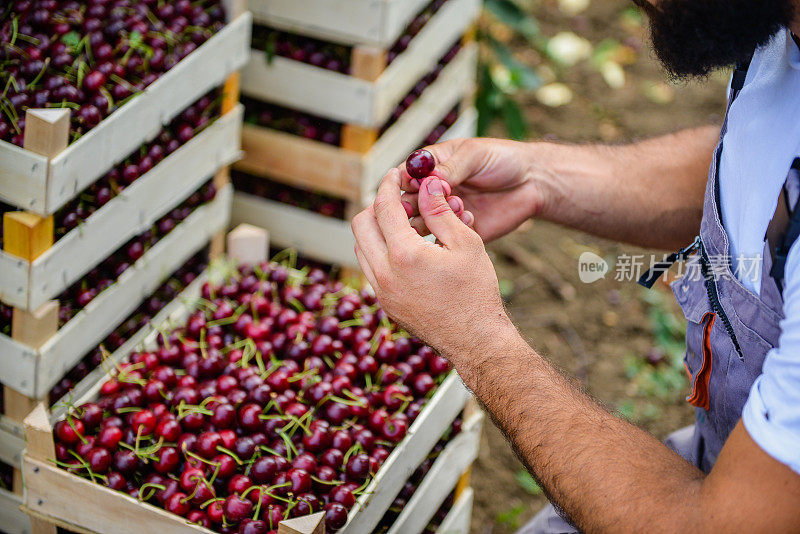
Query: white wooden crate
point(371, 22)
point(345, 98)
point(315, 236)
point(12, 519)
point(125, 216)
point(315, 165)
point(72, 501)
point(31, 182)
point(459, 517)
point(34, 373)
point(443, 476)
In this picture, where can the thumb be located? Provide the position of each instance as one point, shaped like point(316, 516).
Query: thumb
point(458, 166)
point(437, 213)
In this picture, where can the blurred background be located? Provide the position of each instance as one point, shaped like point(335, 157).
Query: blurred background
point(581, 71)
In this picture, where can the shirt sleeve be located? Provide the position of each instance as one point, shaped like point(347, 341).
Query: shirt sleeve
point(771, 414)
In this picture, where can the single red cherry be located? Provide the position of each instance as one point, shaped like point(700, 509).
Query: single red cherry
point(420, 164)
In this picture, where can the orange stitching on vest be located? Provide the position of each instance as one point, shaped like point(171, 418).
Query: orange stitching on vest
point(700, 387)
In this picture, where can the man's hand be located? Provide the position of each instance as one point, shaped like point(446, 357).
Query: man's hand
point(445, 293)
point(490, 175)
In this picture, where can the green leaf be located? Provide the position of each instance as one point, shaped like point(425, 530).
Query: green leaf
point(522, 75)
point(527, 482)
point(135, 39)
point(71, 39)
point(510, 517)
point(514, 120)
point(270, 47)
point(509, 13)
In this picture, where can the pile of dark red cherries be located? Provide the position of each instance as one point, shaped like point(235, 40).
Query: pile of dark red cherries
point(91, 56)
point(280, 396)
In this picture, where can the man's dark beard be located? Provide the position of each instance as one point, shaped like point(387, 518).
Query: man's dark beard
point(695, 37)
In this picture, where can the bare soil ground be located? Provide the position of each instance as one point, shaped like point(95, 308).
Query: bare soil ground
point(592, 331)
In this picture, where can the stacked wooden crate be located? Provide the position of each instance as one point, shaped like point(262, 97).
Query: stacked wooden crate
point(39, 262)
point(369, 81)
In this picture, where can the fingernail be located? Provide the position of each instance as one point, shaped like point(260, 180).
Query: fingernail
point(467, 218)
point(414, 182)
point(435, 187)
point(455, 204)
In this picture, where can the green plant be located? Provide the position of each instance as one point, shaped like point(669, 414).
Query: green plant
point(501, 77)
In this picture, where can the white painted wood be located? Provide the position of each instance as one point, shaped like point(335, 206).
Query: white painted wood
point(443, 476)
point(136, 209)
point(88, 388)
point(142, 279)
point(88, 158)
point(23, 177)
point(372, 22)
point(12, 519)
point(315, 90)
point(12, 442)
point(313, 235)
point(456, 80)
point(13, 279)
point(426, 430)
point(18, 365)
point(348, 99)
point(459, 518)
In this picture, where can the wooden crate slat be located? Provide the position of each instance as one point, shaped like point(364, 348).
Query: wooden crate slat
point(88, 388)
point(13, 279)
point(73, 500)
point(345, 98)
point(165, 257)
point(459, 517)
point(135, 209)
point(18, 365)
point(12, 519)
point(371, 22)
point(23, 180)
point(440, 411)
point(316, 236)
point(12, 442)
point(88, 158)
point(308, 88)
point(441, 479)
point(300, 162)
point(456, 80)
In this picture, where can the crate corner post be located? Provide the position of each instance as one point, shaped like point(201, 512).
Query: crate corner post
point(248, 244)
point(308, 524)
point(40, 446)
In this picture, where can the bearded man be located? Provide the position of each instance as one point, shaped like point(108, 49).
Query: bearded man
point(738, 468)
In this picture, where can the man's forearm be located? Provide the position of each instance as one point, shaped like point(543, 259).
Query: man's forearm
point(605, 473)
point(648, 193)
